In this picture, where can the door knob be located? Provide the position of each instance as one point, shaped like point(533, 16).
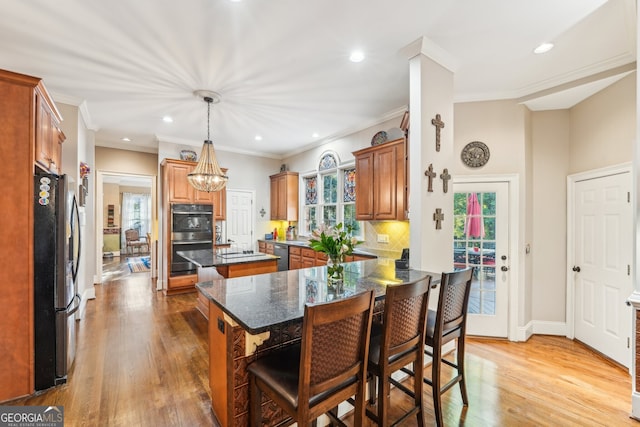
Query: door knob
point(576, 269)
point(504, 268)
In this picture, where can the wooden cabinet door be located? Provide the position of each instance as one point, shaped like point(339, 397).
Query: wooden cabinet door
point(284, 196)
point(274, 199)
point(180, 191)
point(295, 262)
point(384, 183)
point(381, 195)
point(56, 150)
point(281, 203)
point(220, 205)
point(364, 186)
point(44, 135)
point(202, 196)
point(321, 259)
point(268, 248)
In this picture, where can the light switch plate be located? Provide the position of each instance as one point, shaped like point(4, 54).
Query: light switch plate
point(383, 238)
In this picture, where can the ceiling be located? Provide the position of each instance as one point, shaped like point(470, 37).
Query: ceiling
point(282, 67)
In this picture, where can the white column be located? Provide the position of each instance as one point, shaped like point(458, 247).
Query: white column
point(431, 93)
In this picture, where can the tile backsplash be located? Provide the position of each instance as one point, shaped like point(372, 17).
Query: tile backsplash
point(398, 232)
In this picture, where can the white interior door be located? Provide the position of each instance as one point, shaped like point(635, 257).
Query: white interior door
point(240, 221)
point(602, 231)
point(481, 240)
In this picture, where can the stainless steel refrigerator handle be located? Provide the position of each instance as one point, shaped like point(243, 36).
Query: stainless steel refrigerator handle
point(70, 313)
point(76, 211)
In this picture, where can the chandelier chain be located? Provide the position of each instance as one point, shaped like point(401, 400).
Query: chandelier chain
point(209, 101)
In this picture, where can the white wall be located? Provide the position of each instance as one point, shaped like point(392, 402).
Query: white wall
point(504, 127)
point(603, 127)
point(79, 147)
point(551, 158)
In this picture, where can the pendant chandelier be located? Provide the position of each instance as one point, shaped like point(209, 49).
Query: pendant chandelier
point(207, 176)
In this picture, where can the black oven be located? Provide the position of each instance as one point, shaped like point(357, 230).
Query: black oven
point(192, 228)
point(192, 219)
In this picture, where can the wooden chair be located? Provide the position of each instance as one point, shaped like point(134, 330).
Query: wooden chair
point(397, 342)
point(133, 242)
point(326, 367)
point(446, 324)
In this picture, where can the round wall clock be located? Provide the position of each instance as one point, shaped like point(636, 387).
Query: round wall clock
point(475, 154)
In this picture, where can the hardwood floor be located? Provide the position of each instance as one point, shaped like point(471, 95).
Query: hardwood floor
point(142, 361)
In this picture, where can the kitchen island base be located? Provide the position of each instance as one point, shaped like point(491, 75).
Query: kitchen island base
point(231, 349)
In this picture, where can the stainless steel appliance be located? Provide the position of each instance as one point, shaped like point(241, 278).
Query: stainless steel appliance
point(283, 252)
point(192, 228)
point(56, 260)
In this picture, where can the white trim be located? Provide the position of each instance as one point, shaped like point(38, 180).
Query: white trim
point(543, 327)
point(517, 279)
point(524, 332)
point(88, 294)
point(571, 184)
point(99, 219)
point(253, 214)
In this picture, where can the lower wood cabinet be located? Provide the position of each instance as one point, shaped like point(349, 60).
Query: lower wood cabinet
point(266, 248)
point(181, 284)
point(295, 258)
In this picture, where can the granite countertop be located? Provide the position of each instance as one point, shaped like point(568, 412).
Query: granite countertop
point(209, 258)
point(259, 302)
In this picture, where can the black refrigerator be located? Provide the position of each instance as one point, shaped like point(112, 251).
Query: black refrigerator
point(56, 259)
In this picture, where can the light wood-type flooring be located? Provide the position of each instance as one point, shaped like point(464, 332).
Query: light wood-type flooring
point(142, 361)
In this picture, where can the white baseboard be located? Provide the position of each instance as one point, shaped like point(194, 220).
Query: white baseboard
point(541, 327)
point(635, 405)
point(86, 296)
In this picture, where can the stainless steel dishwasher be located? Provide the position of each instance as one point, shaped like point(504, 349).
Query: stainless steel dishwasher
point(283, 252)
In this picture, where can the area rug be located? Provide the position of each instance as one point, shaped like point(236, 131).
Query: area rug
point(139, 264)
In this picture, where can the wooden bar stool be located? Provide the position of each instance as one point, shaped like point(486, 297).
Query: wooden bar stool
point(327, 367)
point(397, 342)
point(446, 324)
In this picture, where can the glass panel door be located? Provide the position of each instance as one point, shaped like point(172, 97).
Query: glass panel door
point(481, 241)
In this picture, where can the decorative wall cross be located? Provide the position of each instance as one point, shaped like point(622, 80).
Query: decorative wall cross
point(445, 179)
point(430, 174)
point(438, 217)
point(439, 124)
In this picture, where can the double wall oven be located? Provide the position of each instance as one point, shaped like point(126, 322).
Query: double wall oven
point(192, 228)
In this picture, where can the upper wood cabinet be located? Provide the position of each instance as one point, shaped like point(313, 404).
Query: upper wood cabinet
point(381, 181)
point(178, 190)
point(284, 196)
point(49, 137)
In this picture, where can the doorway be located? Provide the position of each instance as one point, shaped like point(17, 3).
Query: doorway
point(240, 224)
point(110, 227)
point(482, 222)
point(600, 246)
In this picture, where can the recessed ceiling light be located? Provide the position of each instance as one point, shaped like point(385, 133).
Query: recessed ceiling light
point(315, 135)
point(125, 139)
point(356, 56)
point(167, 119)
point(543, 48)
point(258, 138)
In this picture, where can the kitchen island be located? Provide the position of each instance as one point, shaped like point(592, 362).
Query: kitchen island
point(227, 263)
point(249, 316)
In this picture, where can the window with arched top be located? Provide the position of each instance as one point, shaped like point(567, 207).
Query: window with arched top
point(330, 196)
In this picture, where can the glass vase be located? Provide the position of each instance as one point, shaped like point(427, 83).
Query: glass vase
point(335, 272)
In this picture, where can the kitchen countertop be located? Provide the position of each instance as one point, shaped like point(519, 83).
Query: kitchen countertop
point(209, 258)
point(260, 302)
